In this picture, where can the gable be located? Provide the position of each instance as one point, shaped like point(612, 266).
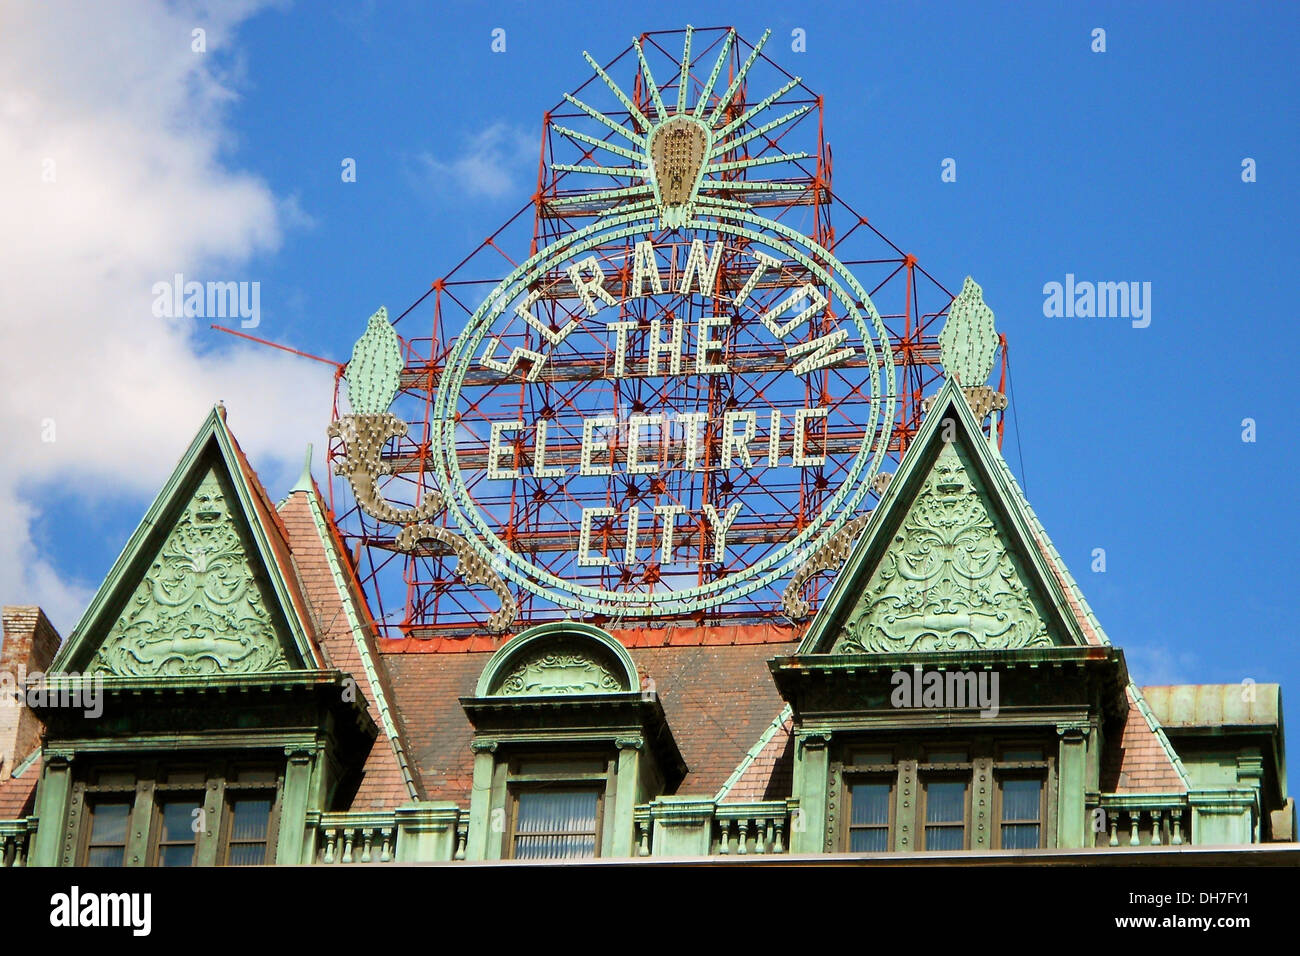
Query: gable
point(948, 560)
point(199, 589)
point(948, 578)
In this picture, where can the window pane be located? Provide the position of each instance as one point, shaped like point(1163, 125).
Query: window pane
point(555, 847)
point(1020, 799)
point(247, 854)
point(1019, 836)
point(945, 838)
point(554, 824)
point(179, 855)
point(176, 834)
point(178, 821)
point(945, 802)
point(869, 841)
point(869, 803)
point(108, 823)
point(106, 856)
point(249, 819)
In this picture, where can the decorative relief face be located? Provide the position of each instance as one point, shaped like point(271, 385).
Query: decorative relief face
point(561, 668)
point(199, 608)
point(947, 580)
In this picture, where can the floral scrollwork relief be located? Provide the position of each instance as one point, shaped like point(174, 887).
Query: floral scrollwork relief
point(947, 580)
point(199, 609)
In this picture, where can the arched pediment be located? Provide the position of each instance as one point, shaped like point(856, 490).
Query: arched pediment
point(559, 658)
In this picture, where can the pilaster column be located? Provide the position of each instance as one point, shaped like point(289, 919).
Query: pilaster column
point(53, 792)
point(811, 786)
point(622, 841)
point(1071, 776)
point(293, 805)
point(480, 801)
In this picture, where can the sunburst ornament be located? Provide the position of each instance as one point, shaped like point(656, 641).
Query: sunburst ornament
point(679, 158)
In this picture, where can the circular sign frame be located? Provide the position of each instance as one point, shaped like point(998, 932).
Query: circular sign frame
point(736, 223)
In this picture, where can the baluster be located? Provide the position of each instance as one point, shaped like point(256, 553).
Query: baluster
point(744, 836)
point(462, 832)
point(1114, 829)
point(760, 835)
point(1157, 817)
point(385, 850)
point(643, 834)
point(367, 839)
point(1135, 820)
point(777, 845)
point(331, 844)
point(1178, 829)
point(724, 846)
point(349, 835)
point(20, 847)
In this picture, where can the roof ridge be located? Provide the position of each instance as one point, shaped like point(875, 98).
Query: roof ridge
point(360, 632)
point(1154, 725)
point(787, 713)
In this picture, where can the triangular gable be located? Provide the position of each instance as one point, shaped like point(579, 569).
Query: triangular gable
point(205, 584)
point(950, 559)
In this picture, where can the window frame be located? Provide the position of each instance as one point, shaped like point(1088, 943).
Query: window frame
point(86, 842)
point(146, 785)
point(520, 780)
point(911, 757)
point(233, 792)
point(856, 772)
point(923, 823)
point(163, 795)
point(1005, 769)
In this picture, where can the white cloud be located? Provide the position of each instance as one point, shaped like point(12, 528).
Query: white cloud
point(493, 163)
point(1157, 664)
point(131, 121)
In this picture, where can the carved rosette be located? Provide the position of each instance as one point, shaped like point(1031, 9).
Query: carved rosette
point(199, 609)
point(947, 580)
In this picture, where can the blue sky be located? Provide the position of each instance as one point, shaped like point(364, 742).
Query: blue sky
point(1117, 166)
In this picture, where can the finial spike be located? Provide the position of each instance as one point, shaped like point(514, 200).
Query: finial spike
point(304, 482)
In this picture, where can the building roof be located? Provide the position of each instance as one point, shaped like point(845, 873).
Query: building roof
point(718, 699)
point(1137, 758)
point(767, 770)
point(18, 788)
point(345, 630)
point(1188, 706)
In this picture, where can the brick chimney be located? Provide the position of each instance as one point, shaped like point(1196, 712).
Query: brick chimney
point(29, 643)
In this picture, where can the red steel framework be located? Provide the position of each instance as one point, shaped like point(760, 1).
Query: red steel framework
point(418, 594)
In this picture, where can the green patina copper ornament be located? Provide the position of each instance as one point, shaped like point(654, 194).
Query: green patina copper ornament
point(968, 340)
point(375, 372)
